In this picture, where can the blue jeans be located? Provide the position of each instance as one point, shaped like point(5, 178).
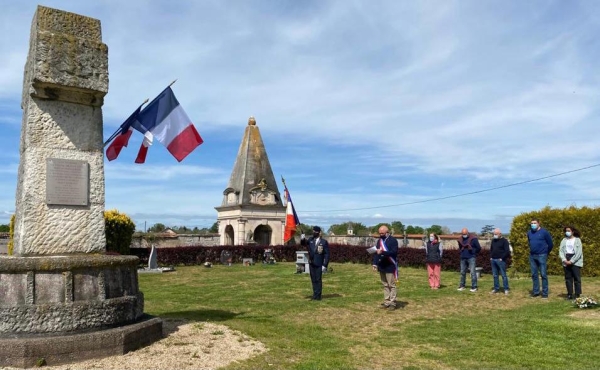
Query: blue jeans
point(499, 266)
point(538, 263)
point(463, 272)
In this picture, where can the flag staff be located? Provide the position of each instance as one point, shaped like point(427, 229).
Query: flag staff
point(286, 190)
point(119, 129)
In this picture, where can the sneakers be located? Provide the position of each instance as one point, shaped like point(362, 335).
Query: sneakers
point(544, 297)
point(461, 288)
point(473, 290)
point(493, 292)
point(506, 292)
point(532, 295)
point(391, 308)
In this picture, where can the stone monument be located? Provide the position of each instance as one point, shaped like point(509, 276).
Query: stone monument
point(252, 211)
point(61, 298)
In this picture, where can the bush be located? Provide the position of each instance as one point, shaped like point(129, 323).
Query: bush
point(119, 232)
point(339, 253)
point(11, 235)
point(586, 220)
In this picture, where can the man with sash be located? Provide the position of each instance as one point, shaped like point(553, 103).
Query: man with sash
point(385, 260)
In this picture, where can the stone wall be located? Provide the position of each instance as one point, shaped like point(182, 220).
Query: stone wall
point(178, 240)
point(210, 240)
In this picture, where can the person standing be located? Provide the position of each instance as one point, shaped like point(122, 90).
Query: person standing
point(540, 245)
point(499, 253)
point(385, 260)
point(571, 255)
point(433, 259)
point(469, 248)
point(318, 259)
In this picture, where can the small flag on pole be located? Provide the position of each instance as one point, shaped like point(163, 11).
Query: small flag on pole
point(291, 218)
point(120, 138)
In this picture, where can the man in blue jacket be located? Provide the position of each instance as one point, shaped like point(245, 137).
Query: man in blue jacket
point(318, 258)
point(540, 245)
point(469, 248)
point(385, 260)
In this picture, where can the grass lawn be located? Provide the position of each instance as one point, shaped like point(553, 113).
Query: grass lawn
point(437, 329)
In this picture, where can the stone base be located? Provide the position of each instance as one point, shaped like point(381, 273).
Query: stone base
point(68, 294)
point(28, 350)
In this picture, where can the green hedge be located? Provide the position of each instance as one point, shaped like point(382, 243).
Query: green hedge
point(585, 219)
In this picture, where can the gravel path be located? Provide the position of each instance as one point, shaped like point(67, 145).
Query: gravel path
point(186, 345)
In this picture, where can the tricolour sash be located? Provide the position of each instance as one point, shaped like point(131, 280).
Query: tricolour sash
point(382, 242)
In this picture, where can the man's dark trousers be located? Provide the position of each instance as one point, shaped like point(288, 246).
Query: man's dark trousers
point(316, 274)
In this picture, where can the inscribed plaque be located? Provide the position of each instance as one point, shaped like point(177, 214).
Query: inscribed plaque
point(67, 182)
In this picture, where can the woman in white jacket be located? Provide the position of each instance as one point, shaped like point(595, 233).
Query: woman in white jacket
point(571, 255)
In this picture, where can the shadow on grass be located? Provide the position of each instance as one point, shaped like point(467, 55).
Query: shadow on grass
point(325, 296)
point(202, 315)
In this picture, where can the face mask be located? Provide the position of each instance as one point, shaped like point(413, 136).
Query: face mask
point(465, 236)
point(534, 226)
point(316, 235)
point(382, 236)
point(496, 236)
point(431, 238)
point(568, 234)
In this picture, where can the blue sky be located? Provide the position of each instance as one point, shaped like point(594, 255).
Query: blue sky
point(360, 104)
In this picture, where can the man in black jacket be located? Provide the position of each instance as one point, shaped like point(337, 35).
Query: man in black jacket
point(318, 259)
point(499, 253)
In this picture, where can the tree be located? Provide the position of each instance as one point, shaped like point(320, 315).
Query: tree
point(436, 229)
point(375, 229)
point(157, 228)
point(342, 229)
point(4, 228)
point(446, 230)
point(195, 230)
point(487, 229)
point(214, 228)
point(410, 229)
point(398, 227)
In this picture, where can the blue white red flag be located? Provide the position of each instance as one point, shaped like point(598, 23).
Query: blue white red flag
point(120, 138)
point(165, 120)
point(291, 218)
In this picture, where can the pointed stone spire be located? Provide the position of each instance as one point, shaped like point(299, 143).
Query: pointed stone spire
point(252, 211)
point(252, 180)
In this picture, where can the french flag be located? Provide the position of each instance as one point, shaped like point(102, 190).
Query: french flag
point(291, 218)
point(121, 138)
point(165, 120)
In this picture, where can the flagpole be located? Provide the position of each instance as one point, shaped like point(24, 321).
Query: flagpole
point(287, 191)
point(119, 129)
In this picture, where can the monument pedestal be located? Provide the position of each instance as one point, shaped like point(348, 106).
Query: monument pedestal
point(71, 300)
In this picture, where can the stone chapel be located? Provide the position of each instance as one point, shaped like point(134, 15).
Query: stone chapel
point(252, 211)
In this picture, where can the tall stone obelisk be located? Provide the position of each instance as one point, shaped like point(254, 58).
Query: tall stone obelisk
point(60, 193)
point(61, 298)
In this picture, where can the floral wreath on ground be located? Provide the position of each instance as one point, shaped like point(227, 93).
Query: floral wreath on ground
point(585, 302)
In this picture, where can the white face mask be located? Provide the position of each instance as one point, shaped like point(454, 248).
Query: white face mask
point(431, 238)
point(496, 236)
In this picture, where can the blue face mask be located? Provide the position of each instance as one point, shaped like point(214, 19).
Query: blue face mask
point(568, 234)
point(534, 226)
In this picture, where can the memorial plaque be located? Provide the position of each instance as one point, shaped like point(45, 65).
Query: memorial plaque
point(67, 182)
